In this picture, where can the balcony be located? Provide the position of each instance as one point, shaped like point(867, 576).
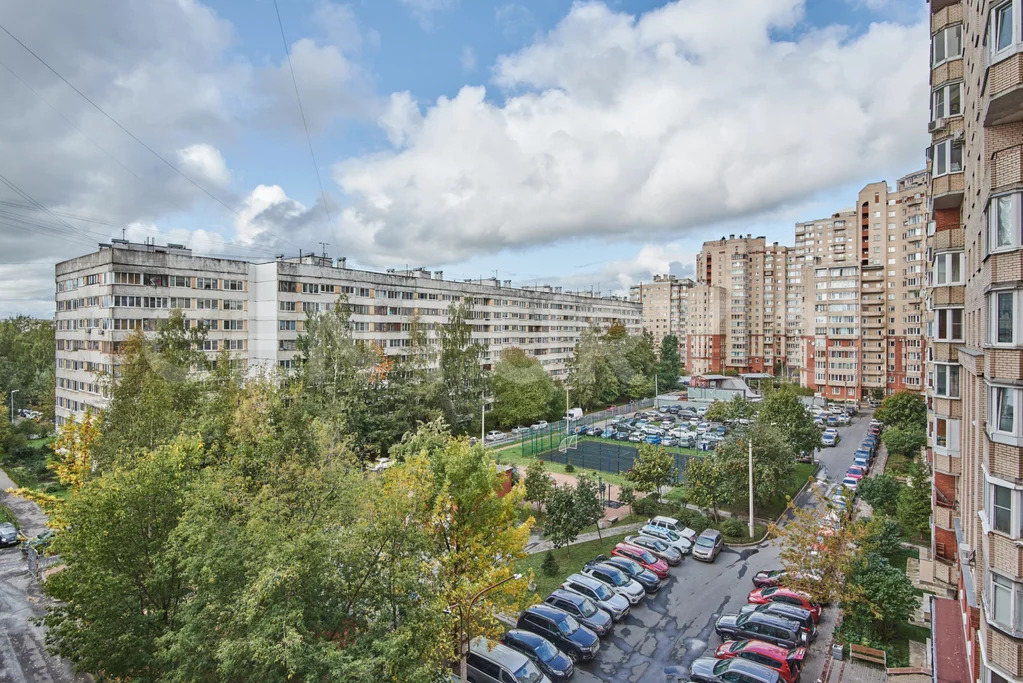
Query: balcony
point(1005, 91)
point(1007, 167)
point(947, 191)
point(944, 13)
point(945, 72)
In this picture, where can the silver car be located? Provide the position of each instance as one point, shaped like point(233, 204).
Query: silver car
point(600, 593)
point(672, 538)
point(497, 663)
point(671, 555)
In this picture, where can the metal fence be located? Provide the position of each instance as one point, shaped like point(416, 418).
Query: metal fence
point(37, 563)
point(549, 438)
point(607, 456)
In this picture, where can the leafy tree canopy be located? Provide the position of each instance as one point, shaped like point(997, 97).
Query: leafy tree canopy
point(905, 409)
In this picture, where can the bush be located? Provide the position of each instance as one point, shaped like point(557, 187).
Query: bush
point(647, 505)
point(732, 527)
point(698, 522)
point(569, 467)
point(550, 566)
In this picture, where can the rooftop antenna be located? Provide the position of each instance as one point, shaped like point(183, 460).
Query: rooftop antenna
point(123, 231)
point(323, 247)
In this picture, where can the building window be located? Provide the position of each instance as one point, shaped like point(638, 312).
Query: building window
point(206, 283)
point(1003, 409)
point(1005, 603)
point(948, 157)
point(949, 324)
point(1002, 311)
point(948, 268)
point(1004, 221)
point(1002, 31)
point(947, 44)
point(946, 380)
point(946, 101)
point(287, 326)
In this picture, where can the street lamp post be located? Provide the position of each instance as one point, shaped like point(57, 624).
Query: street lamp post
point(464, 625)
point(750, 441)
point(15, 391)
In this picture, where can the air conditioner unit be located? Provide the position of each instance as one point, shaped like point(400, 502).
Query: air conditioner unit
point(936, 124)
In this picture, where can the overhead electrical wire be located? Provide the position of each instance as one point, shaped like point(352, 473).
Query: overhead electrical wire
point(134, 137)
point(305, 125)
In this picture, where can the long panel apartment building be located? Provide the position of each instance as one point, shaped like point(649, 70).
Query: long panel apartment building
point(975, 340)
point(257, 310)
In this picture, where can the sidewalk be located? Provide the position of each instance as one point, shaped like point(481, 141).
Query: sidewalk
point(534, 547)
point(613, 491)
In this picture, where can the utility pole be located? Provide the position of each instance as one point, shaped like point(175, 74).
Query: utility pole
point(483, 418)
point(656, 391)
point(12, 405)
point(566, 409)
point(749, 439)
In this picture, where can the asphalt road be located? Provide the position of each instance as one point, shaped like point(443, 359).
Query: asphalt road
point(676, 626)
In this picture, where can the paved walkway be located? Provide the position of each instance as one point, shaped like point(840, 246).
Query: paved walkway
point(540, 546)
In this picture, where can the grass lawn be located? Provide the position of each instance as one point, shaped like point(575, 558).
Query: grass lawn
point(514, 457)
point(29, 470)
point(539, 517)
point(775, 506)
point(570, 560)
point(897, 465)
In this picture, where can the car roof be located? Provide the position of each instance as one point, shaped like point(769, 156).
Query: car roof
point(502, 654)
point(773, 619)
point(588, 581)
point(547, 611)
point(526, 637)
point(710, 533)
point(753, 669)
point(567, 595)
point(662, 518)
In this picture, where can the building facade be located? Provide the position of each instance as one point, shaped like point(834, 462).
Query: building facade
point(665, 303)
point(975, 341)
point(257, 310)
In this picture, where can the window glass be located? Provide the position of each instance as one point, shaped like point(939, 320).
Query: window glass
point(1001, 502)
point(957, 260)
point(942, 269)
point(939, 48)
point(1003, 27)
point(954, 104)
point(1001, 599)
point(1005, 404)
point(956, 162)
point(1004, 316)
point(1003, 220)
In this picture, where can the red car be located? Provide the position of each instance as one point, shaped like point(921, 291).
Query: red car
point(783, 660)
point(644, 557)
point(760, 596)
point(769, 577)
point(855, 472)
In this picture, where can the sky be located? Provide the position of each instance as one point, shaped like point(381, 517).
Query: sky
point(583, 144)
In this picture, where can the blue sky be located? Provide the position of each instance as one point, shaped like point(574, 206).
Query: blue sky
point(589, 145)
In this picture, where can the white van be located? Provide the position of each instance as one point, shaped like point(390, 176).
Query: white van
point(673, 524)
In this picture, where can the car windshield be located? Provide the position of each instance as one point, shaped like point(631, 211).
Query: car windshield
point(648, 557)
point(587, 609)
point(528, 673)
point(568, 626)
point(671, 534)
point(617, 578)
point(659, 545)
point(721, 667)
point(603, 592)
point(705, 542)
point(545, 651)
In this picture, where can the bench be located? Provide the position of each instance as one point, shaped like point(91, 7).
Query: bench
point(869, 654)
point(609, 521)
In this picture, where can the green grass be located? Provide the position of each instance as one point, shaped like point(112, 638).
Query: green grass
point(570, 560)
point(29, 469)
point(775, 506)
point(539, 517)
point(7, 516)
point(897, 464)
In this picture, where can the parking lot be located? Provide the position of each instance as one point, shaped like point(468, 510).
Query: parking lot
point(676, 626)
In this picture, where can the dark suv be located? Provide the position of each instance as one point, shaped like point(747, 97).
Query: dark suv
point(644, 577)
point(567, 634)
point(583, 609)
point(760, 626)
point(803, 617)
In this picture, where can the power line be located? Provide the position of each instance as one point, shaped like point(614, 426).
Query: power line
point(128, 132)
point(305, 125)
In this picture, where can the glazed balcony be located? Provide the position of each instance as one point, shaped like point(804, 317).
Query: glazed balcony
point(1007, 168)
point(947, 190)
point(945, 12)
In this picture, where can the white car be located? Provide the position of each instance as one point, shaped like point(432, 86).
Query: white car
point(495, 435)
point(542, 424)
point(672, 538)
point(520, 430)
point(673, 524)
point(850, 483)
point(701, 411)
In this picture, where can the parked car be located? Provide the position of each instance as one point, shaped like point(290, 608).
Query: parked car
point(801, 616)
point(8, 535)
point(520, 430)
point(567, 634)
point(488, 662)
point(860, 461)
point(549, 659)
point(708, 545)
point(541, 424)
point(616, 580)
point(829, 440)
point(788, 662)
point(856, 471)
point(673, 524)
point(599, 593)
point(760, 626)
point(652, 439)
point(769, 577)
point(701, 411)
point(786, 596)
point(495, 435)
point(645, 558)
point(672, 538)
point(850, 483)
point(668, 441)
point(636, 437)
point(647, 579)
point(622, 436)
point(710, 670)
point(661, 549)
point(595, 431)
point(584, 611)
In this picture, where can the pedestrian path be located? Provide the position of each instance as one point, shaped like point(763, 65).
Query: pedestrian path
point(542, 546)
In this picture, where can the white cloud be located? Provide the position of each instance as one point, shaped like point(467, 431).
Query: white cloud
point(468, 58)
point(616, 276)
point(425, 10)
point(206, 162)
point(339, 24)
point(513, 19)
point(618, 126)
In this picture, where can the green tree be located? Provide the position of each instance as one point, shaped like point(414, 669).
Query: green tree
point(27, 352)
point(626, 494)
point(588, 503)
point(121, 588)
point(888, 598)
point(905, 441)
point(883, 537)
point(523, 390)
point(640, 387)
point(705, 486)
point(641, 355)
point(880, 492)
point(773, 463)
point(668, 363)
point(783, 409)
point(538, 483)
point(563, 523)
point(903, 409)
point(913, 507)
point(737, 408)
point(461, 367)
point(652, 470)
point(877, 394)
